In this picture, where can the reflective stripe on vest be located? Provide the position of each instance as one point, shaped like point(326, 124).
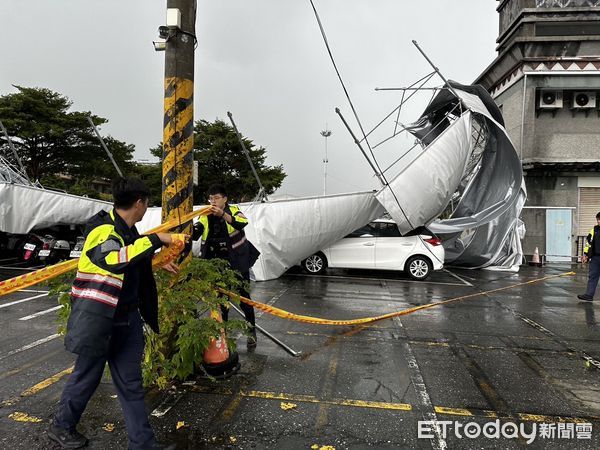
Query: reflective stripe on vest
point(92, 282)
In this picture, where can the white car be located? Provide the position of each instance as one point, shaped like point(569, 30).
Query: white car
point(379, 245)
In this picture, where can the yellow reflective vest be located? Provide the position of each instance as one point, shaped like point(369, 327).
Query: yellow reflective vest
point(241, 253)
point(100, 275)
point(589, 241)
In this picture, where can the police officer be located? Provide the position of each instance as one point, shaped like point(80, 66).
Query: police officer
point(591, 253)
point(223, 236)
point(113, 290)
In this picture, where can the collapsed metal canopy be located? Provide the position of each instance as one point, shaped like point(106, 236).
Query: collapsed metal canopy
point(467, 171)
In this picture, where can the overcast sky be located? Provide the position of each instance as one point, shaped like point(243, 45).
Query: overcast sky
point(263, 60)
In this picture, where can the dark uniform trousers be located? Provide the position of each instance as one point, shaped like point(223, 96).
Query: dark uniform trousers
point(245, 307)
point(594, 275)
point(124, 360)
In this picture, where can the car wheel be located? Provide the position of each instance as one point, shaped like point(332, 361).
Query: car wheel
point(418, 267)
point(315, 264)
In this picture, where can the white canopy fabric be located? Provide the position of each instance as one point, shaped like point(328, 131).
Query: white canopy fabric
point(287, 231)
point(428, 178)
point(25, 208)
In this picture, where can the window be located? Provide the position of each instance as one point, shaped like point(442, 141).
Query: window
point(387, 230)
point(367, 229)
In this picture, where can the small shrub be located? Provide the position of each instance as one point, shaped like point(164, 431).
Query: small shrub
point(186, 327)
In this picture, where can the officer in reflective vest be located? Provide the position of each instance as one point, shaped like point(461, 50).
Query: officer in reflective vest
point(591, 253)
point(223, 236)
point(113, 291)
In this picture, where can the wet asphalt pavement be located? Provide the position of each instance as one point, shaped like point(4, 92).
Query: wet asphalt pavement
point(515, 353)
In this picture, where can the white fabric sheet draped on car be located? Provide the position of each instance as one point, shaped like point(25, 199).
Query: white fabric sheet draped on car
point(287, 231)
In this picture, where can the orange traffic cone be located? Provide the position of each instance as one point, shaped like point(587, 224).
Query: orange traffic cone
point(218, 361)
point(535, 260)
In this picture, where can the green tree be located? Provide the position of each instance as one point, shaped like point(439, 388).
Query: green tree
point(52, 140)
point(221, 160)
point(151, 174)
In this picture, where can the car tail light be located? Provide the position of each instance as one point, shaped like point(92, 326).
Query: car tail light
point(434, 241)
point(46, 246)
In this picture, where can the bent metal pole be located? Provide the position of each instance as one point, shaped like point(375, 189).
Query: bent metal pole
point(287, 348)
point(261, 189)
point(178, 125)
point(110, 155)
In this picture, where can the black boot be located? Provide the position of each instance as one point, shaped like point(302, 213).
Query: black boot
point(66, 438)
point(251, 340)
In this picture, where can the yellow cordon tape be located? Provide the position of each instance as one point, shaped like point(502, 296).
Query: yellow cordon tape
point(29, 279)
point(316, 320)
point(47, 273)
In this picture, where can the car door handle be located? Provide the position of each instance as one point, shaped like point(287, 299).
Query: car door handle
point(368, 244)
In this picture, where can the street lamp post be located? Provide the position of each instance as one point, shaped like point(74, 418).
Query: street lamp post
point(325, 133)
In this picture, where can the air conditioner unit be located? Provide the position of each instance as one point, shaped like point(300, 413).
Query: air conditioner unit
point(550, 99)
point(584, 100)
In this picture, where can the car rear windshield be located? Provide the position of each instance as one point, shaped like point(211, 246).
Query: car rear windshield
point(419, 230)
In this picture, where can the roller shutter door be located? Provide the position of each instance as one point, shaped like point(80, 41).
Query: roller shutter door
point(589, 206)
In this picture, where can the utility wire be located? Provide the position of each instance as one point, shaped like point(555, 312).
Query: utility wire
point(380, 174)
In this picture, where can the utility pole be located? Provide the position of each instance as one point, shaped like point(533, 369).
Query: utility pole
point(325, 133)
point(178, 126)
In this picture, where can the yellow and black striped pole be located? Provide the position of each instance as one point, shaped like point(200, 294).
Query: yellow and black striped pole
point(178, 126)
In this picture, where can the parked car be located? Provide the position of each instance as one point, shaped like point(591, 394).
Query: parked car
point(379, 245)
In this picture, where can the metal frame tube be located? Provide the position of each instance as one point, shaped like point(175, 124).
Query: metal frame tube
point(261, 192)
point(288, 349)
point(110, 156)
point(14, 150)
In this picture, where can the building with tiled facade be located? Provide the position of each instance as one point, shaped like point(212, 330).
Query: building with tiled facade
point(546, 80)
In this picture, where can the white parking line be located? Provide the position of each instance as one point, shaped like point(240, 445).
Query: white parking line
point(423, 398)
point(6, 305)
point(35, 291)
point(461, 279)
point(8, 259)
point(166, 405)
point(41, 313)
point(274, 299)
point(28, 269)
point(32, 345)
